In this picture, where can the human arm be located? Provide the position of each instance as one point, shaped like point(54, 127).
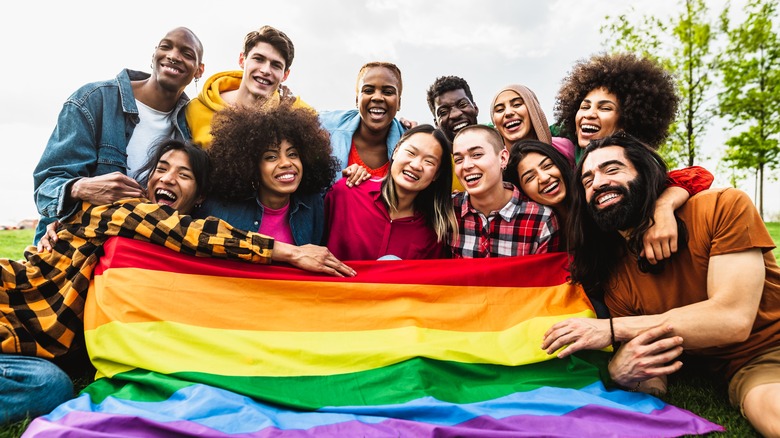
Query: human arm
point(660, 240)
point(734, 287)
point(209, 237)
point(643, 362)
point(312, 258)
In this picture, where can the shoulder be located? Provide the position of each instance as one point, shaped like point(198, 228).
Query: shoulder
point(335, 119)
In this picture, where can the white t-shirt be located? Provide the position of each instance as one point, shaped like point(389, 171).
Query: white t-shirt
point(154, 126)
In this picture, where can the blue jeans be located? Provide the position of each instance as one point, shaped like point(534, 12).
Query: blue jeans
point(30, 387)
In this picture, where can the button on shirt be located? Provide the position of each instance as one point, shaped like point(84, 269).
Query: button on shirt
point(521, 227)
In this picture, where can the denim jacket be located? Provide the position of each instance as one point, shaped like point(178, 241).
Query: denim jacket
point(307, 215)
point(90, 139)
point(342, 125)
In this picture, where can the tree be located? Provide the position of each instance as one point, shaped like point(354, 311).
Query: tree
point(750, 101)
point(684, 47)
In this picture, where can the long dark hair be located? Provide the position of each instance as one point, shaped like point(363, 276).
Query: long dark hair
point(199, 163)
point(435, 201)
point(596, 252)
point(521, 148)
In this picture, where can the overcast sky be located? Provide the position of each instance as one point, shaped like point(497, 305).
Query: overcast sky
point(51, 48)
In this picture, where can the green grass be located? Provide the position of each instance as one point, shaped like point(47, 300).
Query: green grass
point(690, 389)
point(13, 243)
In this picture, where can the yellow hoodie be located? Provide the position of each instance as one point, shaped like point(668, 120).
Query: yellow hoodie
point(200, 111)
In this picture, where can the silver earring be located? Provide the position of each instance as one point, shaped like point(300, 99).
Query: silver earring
point(196, 83)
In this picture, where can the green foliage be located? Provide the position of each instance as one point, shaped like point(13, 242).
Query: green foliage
point(683, 46)
point(750, 100)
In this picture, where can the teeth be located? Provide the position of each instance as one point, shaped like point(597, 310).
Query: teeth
point(286, 177)
point(377, 111)
point(411, 175)
point(607, 197)
point(550, 188)
point(470, 178)
point(589, 128)
point(263, 81)
point(165, 193)
point(459, 126)
point(512, 124)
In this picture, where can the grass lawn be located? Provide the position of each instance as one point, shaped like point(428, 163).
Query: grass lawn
point(690, 389)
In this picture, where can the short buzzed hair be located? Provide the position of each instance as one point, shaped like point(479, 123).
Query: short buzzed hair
point(381, 64)
point(492, 135)
point(443, 84)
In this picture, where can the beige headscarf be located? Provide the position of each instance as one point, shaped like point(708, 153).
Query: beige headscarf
point(538, 119)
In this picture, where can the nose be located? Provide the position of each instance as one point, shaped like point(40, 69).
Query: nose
point(168, 178)
point(284, 161)
point(600, 180)
point(416, 163)
point(455, 112)
point(543, 176)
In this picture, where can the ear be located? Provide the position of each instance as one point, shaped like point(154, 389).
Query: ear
point(503, 157)
point(200, 70)
point(241, 60)
point(286, 73)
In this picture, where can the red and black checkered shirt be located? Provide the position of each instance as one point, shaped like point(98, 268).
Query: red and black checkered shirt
point(521, 227)
point(42, 298)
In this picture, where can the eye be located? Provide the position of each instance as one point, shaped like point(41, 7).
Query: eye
point(293, 153)
point(463, 104)
point(586, 182)
point(430, 162)
point(458, 159)
point(389, 91)
point(186, 176)
point(477, 154)
point(367, 90)
point(443, 112)
point(277, 65)
point(498, 109)
point(269, 157)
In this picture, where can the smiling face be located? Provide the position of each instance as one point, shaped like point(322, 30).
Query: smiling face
point(378, 98)
point(606, 175)
point(172, 182)
point(510, 116)
point(281, 171)
point(176, 60)
point(416, 163)
point(264, 70)
point(541, 180)
point(477, 164)
point(597, 117)
point(454, 111)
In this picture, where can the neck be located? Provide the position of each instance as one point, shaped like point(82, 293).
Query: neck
point(405, 207)
point(151, 94)
point(370, 138)
point(273, 201)
point(495, 200)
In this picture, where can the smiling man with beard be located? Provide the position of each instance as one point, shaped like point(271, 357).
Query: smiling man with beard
point(718, 297)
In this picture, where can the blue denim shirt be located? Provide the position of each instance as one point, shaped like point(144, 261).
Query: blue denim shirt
point(90, 139)
point(307, 215)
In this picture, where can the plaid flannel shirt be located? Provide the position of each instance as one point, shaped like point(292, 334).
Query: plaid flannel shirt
point(42, 298)
point(521, 227)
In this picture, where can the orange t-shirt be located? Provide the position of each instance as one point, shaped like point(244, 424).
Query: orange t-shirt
point(719, 221)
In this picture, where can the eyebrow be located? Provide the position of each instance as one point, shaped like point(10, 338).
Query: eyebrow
point(602, 166)
point(531, 170)
point(471, 149)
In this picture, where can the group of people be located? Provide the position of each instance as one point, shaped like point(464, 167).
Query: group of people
point(249, 171)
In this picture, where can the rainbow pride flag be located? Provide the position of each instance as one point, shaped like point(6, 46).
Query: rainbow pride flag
point(186, 346)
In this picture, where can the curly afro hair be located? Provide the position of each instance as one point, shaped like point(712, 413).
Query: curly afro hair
point(646, 93)
point(242, 135)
